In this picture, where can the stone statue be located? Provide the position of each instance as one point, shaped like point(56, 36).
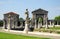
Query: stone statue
point(26, 22)
point(27, 15)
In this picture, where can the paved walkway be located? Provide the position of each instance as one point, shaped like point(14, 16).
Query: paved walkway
point(37, 34)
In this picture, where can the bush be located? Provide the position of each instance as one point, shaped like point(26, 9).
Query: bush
point(58, 32)
point(47, 30)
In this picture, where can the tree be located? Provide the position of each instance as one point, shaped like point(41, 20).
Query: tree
point(57, 18)
point(39, 23)
point(40, 20)
point(21, 19)
point(1, 23)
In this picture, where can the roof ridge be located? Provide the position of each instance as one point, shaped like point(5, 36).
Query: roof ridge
point(11, 13)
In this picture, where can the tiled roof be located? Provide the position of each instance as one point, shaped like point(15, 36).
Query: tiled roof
point(11, 13)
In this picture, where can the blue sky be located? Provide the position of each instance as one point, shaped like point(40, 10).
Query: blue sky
point(19, 6)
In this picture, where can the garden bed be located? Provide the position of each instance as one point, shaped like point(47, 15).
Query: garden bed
point(50, 30)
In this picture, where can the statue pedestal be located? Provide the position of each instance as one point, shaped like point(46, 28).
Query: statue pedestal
point(26, 29)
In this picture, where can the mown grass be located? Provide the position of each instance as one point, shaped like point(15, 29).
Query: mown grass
point(13, 36)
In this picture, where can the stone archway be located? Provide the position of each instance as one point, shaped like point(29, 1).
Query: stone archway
point(39, 22)
point(40, 13)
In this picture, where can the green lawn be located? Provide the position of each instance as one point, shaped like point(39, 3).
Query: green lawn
point(13, 36)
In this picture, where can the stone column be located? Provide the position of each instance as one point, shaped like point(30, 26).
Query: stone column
point(57, 23)
point(16, 24)
point(13, 23)
point(39, 25)
point(35, 24)
point(50, 23)
point(53, 24)
point(46, 22)
point(8, 23)
point(3, 24)
point(21, 24)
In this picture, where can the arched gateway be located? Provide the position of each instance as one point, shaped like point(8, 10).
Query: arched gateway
point(40, 13)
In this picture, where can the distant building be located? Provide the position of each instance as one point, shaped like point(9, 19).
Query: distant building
point(39, 13)
point(10, 20)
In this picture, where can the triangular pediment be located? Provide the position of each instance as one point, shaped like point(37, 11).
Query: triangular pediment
point(39, 10)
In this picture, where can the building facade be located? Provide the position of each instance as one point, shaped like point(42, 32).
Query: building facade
point(10, 20)
point(39, 13)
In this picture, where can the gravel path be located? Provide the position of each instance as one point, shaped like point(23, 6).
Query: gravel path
point(36, 34)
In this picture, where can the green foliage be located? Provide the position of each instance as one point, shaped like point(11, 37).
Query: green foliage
point(50, 30)
point(57, 18)
point(1, 23)
point(40, 19)
point(13, 36)
point(21, 19)
point(58, 32)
